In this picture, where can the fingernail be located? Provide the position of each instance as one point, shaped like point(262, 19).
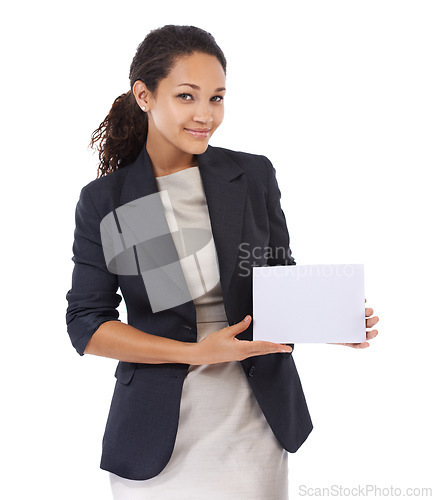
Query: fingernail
point(246, 318)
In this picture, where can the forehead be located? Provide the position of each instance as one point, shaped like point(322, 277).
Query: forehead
point(199, 69)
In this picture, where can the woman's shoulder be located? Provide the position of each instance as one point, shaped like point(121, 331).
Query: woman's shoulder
point(254, 163)
point(109, 187)
point(239, 155)
point(109, 180)
point(103, 193)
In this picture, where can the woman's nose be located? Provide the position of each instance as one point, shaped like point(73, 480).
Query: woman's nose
point(203, 113)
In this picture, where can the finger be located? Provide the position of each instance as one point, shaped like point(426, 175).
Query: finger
point(287, 348)
point(368, 311)
point(361, 345)
point(370, 322)
point(372, 334)
point(273, 347)
point(240, 326)
point(262, 346)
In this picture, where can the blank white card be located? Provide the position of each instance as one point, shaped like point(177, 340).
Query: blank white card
point(309, 303)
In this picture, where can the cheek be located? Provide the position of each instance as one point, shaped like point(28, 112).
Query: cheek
point(160, 120)
point(168, 118)
point(179, 118)
point(219, 116)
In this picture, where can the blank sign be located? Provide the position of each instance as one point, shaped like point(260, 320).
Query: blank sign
point(309, 303)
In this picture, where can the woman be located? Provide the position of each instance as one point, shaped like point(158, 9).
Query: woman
point(198, 410)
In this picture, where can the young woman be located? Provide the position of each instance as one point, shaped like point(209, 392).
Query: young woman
point(199, 409)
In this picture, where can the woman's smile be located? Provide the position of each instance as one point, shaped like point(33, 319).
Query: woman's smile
point(198, 132)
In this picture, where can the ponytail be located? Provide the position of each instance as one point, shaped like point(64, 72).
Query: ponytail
point(120, 137)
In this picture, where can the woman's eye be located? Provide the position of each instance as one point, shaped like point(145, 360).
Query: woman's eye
point(184, 95)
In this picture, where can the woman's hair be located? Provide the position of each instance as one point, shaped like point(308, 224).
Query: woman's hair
point(123, 132)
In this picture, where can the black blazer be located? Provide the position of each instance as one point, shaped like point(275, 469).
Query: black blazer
point(244, 207)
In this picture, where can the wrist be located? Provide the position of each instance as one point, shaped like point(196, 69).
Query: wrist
point(191, 353)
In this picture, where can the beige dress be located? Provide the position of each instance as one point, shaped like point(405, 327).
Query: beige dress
point(224, 448)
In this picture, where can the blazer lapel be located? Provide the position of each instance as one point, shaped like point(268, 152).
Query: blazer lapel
point(225, 189)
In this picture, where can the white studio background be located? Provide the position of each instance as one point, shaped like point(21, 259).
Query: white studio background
point(337, 94)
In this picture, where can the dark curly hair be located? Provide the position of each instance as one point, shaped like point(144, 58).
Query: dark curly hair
point(121, 136)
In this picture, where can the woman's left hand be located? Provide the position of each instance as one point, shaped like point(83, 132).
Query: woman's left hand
point(370, 334)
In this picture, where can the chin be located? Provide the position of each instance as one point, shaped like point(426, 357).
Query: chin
point(202, 148)
point(197, 149)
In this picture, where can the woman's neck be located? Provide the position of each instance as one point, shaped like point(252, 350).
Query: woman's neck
point(166, 160)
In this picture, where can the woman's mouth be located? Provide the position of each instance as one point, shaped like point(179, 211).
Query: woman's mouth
point(198, 132)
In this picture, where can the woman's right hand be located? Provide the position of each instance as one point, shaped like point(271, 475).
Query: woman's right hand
point(222, 345)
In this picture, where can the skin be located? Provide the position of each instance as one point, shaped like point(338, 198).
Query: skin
point(369, 322)
point(175, 107)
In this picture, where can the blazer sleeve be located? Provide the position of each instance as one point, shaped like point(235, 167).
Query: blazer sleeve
point(92, 299)
point(279, 239)
point(280, 253)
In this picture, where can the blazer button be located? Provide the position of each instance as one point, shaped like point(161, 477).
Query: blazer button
point(251, 372)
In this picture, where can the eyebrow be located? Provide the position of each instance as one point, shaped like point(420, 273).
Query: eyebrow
point(220, 89)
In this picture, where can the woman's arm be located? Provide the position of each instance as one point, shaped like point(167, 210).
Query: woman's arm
point(279, 239)
point(93, 298)
point(92, 316)
point(117, 340)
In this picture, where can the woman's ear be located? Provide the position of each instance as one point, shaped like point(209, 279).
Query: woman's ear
point(141, 94)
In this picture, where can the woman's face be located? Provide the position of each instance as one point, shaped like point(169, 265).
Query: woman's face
point(189, 99)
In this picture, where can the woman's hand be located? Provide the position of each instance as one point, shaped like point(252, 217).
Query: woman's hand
point(222, 346)
point(369, 322)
